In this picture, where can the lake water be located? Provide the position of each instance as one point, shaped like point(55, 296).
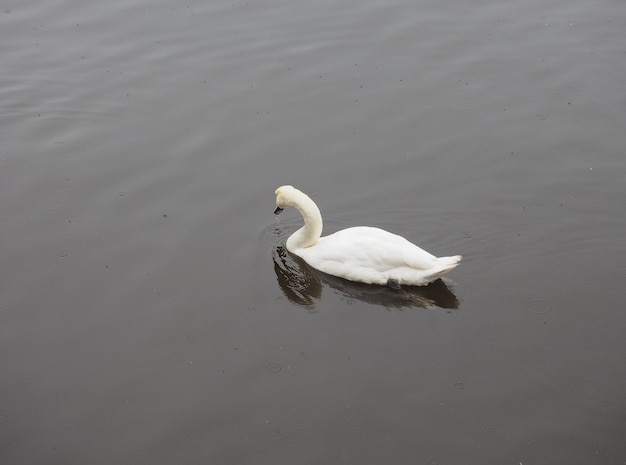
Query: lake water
point(149, 313)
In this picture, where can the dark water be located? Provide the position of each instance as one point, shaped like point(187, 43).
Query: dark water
point(148, 312)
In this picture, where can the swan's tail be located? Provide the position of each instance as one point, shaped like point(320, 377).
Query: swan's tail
point(445, 264)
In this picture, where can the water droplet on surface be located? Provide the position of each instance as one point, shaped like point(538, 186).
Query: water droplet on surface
point(63, 253)
point(59, 146)
point(356, 420)
point(466, 234)
point(460, 385)
point(538, 306)
point(494, 431)
point(122, 194)
point(275, 368)
point(544, 451)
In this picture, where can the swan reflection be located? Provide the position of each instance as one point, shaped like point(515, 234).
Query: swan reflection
point(303, 285)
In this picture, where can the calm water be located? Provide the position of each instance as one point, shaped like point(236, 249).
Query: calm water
point(149, 313)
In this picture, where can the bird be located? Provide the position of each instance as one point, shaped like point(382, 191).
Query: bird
point(362, 253)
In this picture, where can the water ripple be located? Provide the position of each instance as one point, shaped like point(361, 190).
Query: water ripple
point(538, 305)
point(275, 368)
point(544, 451)
point(494, 431)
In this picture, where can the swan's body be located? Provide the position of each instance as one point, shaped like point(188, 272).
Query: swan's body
point(362, 253)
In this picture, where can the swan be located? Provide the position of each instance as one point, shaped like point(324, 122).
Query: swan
point(362, 253)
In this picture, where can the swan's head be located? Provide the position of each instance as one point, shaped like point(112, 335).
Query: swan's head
point(284, 198)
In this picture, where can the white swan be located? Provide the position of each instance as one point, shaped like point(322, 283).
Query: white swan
point(362, 253)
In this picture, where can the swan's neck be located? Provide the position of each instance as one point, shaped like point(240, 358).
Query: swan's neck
point(310, 233)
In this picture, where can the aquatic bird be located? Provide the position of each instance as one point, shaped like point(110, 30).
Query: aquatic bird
point(362, 253)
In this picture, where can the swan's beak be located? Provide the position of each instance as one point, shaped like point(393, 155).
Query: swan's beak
point(278, 210)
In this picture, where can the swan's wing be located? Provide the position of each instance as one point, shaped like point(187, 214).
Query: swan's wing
point(368, 247)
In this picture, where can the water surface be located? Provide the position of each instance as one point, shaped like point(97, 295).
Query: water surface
point(149, 312)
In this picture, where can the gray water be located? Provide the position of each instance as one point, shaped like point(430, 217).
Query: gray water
point(149, 313)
